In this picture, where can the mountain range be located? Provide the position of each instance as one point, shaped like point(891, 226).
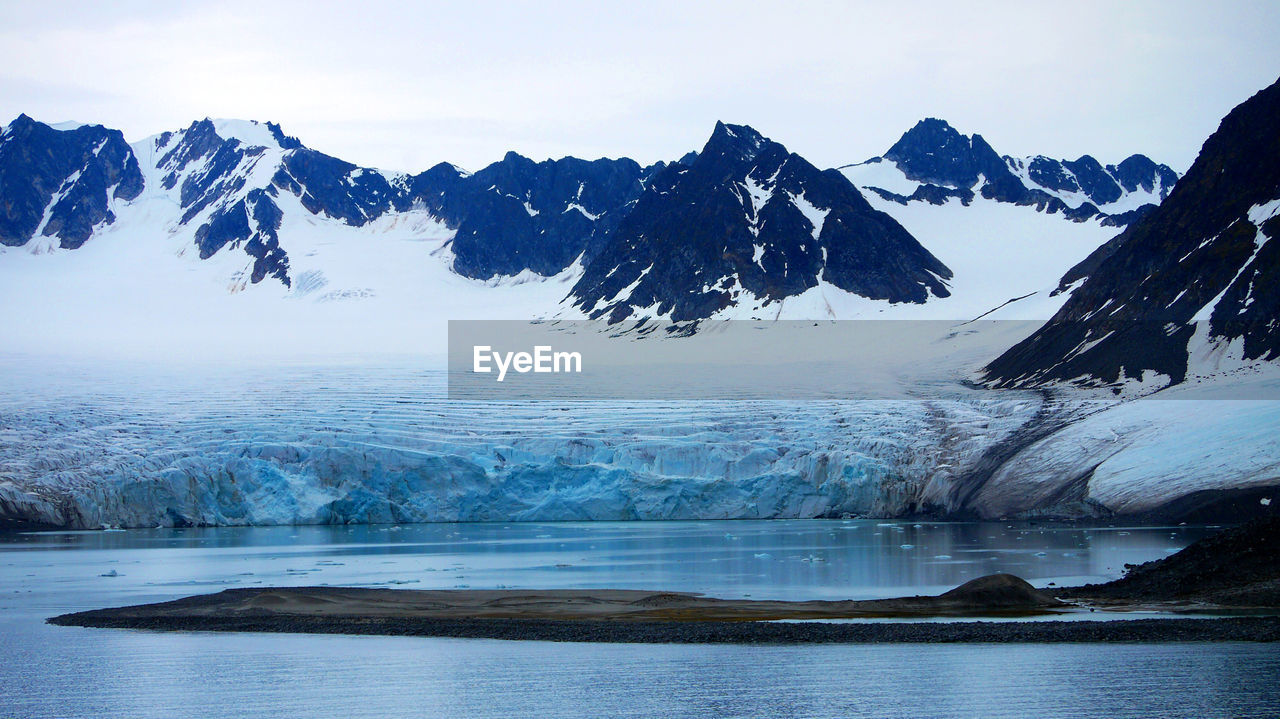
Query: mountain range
point(737, 227)
point(177, 233)
point(947, 164)
point(939, 226)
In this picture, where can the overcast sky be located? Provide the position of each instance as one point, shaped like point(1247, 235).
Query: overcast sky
point(403, 85)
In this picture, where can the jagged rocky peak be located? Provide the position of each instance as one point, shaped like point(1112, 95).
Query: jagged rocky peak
point(228, 142)
point(1139, 172)
point(1102, 185)
point(1190, 289)
point(734, 143)
point(62, 183)
point(250, 133)
point(944, 164)
point(233, 175)
point(518, 214)
point(746, 224)
point(935, 152)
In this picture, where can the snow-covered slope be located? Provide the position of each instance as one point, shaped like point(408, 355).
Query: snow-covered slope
point(230, 237)
point(1173, 458)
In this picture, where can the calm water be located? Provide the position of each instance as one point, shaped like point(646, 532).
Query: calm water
point(50, 671)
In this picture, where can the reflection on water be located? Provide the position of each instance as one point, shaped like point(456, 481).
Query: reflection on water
point(801, 559)
point(74, 672)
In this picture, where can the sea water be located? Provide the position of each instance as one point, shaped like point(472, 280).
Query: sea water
point(49, 671)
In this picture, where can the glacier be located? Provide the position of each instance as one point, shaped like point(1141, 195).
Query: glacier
point(349, 444)
point(334, 446)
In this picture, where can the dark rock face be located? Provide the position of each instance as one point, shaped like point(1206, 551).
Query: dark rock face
point(517, 214)
point(1139, 172)
point(953, 165)
point(329, 186)
point(77, 171)
point(1198, 254)
point(747, 215)
point(253, 224)
point(936, 153)
point(1094, 181)
point(285, 141)
point(1237, 567)
point(1051, 174)
point(932, 194)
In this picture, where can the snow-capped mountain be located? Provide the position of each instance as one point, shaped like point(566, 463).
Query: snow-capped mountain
point(314, 248)
point(1188, 290)
point(933, 163)
point(230, 186)
point(231, 183)
point(745, 224)
point(62, 184)
point(517, 214)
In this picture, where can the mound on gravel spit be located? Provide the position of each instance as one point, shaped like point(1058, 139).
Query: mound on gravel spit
point(1000, 591)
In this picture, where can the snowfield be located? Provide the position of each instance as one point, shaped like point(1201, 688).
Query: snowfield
point(138, 288)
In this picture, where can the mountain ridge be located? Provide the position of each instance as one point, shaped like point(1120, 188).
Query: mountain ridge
point(941, 163)
point(1190, 283)
point(242, 191)
point(748, 221)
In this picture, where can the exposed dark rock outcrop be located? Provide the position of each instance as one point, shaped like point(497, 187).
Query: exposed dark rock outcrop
point(748, 219)
point(1205, 255)
point(60, 183)
point(950, 164)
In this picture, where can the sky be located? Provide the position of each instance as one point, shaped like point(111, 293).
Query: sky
point(404, 85)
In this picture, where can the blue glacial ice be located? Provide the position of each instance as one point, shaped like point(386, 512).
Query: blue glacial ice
point(343, 446)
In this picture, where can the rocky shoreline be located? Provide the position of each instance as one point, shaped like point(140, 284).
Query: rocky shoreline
point(1235, 573)
point(1235, 629)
